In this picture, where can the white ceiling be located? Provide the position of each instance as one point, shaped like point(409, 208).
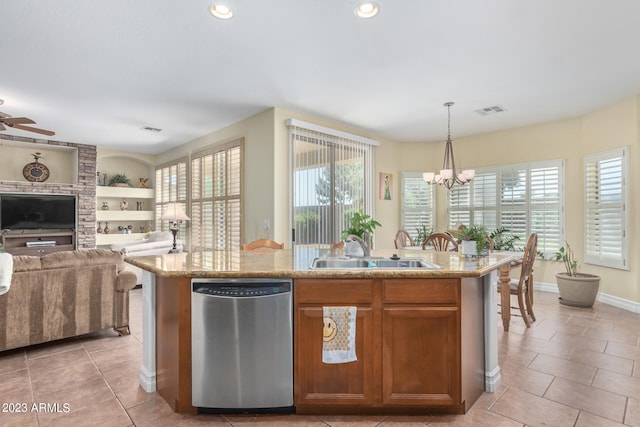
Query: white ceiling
point(98, 71)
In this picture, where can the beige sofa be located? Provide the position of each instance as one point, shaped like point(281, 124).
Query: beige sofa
point(65, 294)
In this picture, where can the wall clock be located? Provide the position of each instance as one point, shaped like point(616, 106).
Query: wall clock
point(35, 172)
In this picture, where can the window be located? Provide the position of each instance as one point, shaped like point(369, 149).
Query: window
point(216, 197)
point(524, 198)
point(605, 201)
point(332, 178)
point(171, 186)
point(418, 204)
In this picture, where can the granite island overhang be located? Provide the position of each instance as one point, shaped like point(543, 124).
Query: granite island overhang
point(295, 264)
point(167, 321)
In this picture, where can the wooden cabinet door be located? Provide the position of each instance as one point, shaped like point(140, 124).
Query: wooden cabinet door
point(420, 356)
point(343, 384)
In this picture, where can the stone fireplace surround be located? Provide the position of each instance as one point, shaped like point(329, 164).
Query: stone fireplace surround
point(84, 189)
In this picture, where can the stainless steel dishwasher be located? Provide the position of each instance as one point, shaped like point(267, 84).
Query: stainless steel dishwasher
point(242, 344)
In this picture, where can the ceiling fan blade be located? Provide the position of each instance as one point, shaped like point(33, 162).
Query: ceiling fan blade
point(30, 129)
point(18, 121)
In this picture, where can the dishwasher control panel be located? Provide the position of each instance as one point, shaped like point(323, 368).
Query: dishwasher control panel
point(240, 290)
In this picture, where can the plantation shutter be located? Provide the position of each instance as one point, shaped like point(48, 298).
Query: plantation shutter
point(514, 200)
point(605, 209)
point(418, 204)
point(216, 197)
point(459, 206)
point(171, 186)
point(484, 196)
point(523, 198)
point(545, 206)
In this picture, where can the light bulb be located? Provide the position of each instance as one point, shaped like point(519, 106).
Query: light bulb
point(367, 10)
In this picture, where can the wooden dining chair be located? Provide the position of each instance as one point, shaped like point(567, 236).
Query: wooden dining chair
point(441, 242)
point(262, 244)
point(523, 286)
point(403, 239)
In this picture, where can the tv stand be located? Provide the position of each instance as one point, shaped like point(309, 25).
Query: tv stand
point(38, 243)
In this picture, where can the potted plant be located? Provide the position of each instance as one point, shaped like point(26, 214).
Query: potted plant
point(119, 180)
point(422, 235)
point(576, 289)
point(504, 240)
point(361, 225)
point(474, 238)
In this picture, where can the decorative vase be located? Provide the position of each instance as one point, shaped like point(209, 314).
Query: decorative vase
point(580, 290)
point(106, 230)
point(139, 206)
point(99, 230)
point(105, 206)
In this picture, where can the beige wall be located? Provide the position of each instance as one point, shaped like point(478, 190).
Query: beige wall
point(259, 163)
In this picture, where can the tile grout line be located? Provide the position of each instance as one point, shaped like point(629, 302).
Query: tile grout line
point(108, 384)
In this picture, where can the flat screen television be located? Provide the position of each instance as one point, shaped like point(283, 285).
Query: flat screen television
point(37, 211)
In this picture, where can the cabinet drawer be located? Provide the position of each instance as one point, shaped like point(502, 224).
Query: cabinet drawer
point(429, 291)
point(333, 291)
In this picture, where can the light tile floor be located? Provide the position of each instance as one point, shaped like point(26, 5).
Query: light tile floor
point(575, 367)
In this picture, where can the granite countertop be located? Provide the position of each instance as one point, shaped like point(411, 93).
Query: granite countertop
point(295, 264)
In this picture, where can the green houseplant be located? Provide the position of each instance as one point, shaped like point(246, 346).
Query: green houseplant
point(504, 240)
point(474, 239)
point(361, 224)
point(119, 180)
point(575, 289)
point(422, 234)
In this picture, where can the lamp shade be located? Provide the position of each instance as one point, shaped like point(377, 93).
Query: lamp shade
point(174, 212)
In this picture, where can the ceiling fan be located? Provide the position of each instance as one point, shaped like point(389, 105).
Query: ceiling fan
point(19, 122)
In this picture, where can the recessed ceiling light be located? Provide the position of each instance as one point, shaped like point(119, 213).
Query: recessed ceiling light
point(221, 11)
point(367, 10)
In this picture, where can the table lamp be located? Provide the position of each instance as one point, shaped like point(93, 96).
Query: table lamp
point(174, 213)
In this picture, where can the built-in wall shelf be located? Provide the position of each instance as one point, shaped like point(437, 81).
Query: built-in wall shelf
point(132, 216)
point(128, 215)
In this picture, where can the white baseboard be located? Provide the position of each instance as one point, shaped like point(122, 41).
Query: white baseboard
point(612, 300)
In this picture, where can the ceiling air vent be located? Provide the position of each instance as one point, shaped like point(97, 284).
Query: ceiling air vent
point(150, 129)
point(490, 110)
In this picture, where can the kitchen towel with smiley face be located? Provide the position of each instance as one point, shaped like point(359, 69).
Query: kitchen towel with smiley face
point(339, 334)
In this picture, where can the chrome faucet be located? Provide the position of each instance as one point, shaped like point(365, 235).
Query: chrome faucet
point(363, 243)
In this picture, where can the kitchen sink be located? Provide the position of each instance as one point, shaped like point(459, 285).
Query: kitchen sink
point(330, 263)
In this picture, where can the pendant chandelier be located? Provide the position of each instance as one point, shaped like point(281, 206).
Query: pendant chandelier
point(449, 175)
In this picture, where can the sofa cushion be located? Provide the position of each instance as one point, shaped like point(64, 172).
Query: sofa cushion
point(26, 263)
point(82, 257)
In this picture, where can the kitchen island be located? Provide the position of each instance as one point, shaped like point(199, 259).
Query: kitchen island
point(426, 339)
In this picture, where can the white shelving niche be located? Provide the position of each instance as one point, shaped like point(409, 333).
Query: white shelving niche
point(116, 217)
